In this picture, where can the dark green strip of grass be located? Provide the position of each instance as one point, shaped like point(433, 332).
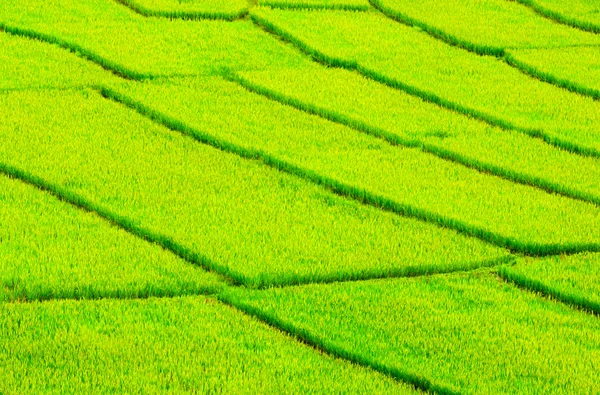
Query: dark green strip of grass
point(558, 17)
point(123, 223)
point(395, 140)
point(315, 7)
point(485, 50)
point(348, 191)
point(322, 345)
point(535, 286)
point(106, 64)
point(423, 95)
point(219, 16)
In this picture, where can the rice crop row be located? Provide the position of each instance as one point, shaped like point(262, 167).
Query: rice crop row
point(486, 27)
point(214, 9)
point(417, 183)
point(477, 86)
point(499, 28)
point(180, 345)
point(30, 64)
point(136, 47)
point(347, 5)
point(578, 66)
point(260, 226)
point(348, 98)
point(50, 249)
point(446, 333)
point(571, 279)
point(580, 14)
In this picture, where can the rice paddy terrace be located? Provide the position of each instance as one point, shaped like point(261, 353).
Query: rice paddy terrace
point(312, 196)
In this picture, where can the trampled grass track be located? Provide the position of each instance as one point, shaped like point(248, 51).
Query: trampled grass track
point(485, 50)
point(330, 61)
point(422, 383)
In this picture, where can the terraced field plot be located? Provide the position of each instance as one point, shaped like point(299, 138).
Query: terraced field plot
point(323, 196)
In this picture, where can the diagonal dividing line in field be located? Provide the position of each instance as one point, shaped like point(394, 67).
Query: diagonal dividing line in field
point(322, 345)
point(197, 15)
point(559, 18)
point(429, 97)
point(396, 140)
point(298, 6)
point(122, 222)
point(348, 191)
point(108, 65)
point(539, 288)
point(485, 50)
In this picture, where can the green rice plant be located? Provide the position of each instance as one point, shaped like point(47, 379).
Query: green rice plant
point(135, 47)
point(490, 27)
point(232, 215)
point(401, 119)
point(581, 14)
point(573, 279)
point(228, 10)
point(349, 5)
point(467, 333)
point(577, 65)
point(510, 215)
point(407, 59)
point(50, 249)
point(487, 27)
point(30, 64)
point(183, 345)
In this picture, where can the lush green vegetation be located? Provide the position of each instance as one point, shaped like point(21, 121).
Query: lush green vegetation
point(488, 26)
point(461, 333)
point(179, 345)
point(580, 65)
point(30, 64)
point(397, 117)
point(582, 14)
point(573, 279)
point(139, 47)
point(251, 222)
point(422, 182)
point(353, 5)
point(311, 196)
point(478, 86)
point(189, 9)
point(50, 249)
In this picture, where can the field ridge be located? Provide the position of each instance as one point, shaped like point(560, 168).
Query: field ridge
point(397, 140)
point(560, 18)
point(185, 15)
point(430, 97)
point(486, 50)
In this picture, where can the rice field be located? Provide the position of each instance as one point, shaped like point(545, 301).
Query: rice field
point(299, 196)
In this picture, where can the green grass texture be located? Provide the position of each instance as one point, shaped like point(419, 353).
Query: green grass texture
point(581, 14)
point(185, 345)
point(399, 118)
point(488, 26)
point(250, 222)
point(470, 333)
point(509, 214)
point(136, 47)
point(572, 279)
point(30, 64)
point(481, 87)
point(50, 250)
point(228, 10)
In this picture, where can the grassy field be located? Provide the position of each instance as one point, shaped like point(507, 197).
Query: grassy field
point(299, 196)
